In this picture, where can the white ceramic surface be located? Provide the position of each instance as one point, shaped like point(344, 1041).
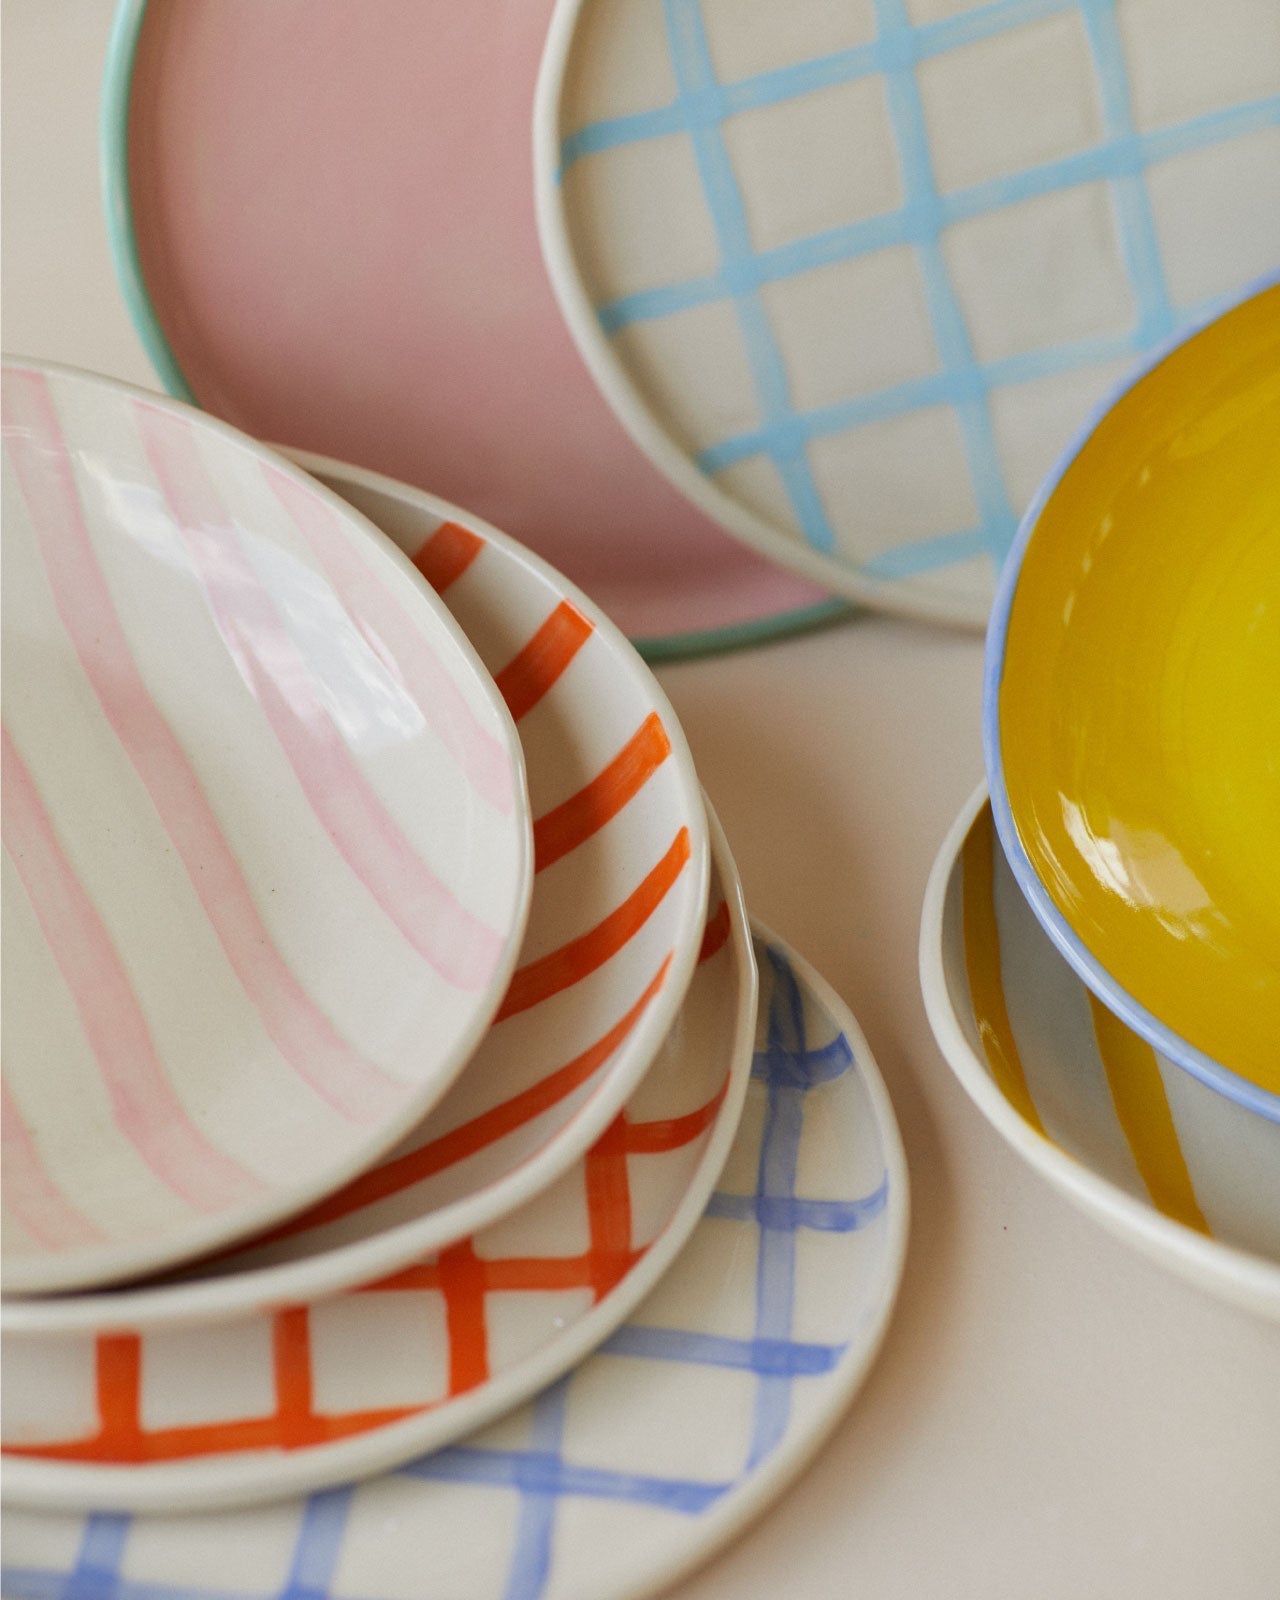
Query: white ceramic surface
point(852, 274)
point(620, 859)
point(1173, 1168)
point(267, 843)
point(657, 1449)
point(288, 1401)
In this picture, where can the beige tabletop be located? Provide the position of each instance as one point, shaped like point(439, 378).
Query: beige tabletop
point(1052, 1417)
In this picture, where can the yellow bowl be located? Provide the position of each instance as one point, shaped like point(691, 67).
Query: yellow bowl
point(1132, 715)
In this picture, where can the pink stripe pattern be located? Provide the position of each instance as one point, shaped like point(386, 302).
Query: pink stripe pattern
point(399, 643)
point(456, 944)
point(574, 1065)
point(300, 1031)
point(29, 1192)
point(143, 1101)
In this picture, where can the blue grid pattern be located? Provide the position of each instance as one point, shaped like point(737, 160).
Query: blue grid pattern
point(786, 1068)
point(1121, 159)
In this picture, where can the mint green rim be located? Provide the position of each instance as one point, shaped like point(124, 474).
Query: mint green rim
point(113, 153)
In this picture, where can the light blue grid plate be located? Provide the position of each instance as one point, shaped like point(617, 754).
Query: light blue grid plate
point(853, 273)
point(656, 1450)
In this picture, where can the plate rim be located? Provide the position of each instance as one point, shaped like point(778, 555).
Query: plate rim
point(342, 1265)
point(430, 619)
point(761, 1485)
point(117, 201)
point(1226, 1271)
point(209, 1482)
point(892, 597)
point(1212, 1073)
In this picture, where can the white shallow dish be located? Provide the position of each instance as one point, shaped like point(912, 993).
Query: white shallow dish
point(854, 319)
point(655, 1451)
point(615, 925)
point(1185, 1175)
point(267, 843)
point(287, 1401)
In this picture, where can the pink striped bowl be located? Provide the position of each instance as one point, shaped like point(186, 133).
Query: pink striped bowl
point(614, 933)
point(267, 843)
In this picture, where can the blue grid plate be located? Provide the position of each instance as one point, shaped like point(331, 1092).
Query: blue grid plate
point(853, 274)
point(656, 1450)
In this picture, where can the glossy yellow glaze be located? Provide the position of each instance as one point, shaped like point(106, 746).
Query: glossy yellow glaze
point(1140, 701)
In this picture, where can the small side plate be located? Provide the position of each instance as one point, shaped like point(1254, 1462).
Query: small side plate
point(655, 1451)
point(268, 850)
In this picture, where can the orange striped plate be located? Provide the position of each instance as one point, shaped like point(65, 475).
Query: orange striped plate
point(613, 935)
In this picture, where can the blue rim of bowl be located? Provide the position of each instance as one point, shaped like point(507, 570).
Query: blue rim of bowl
point(113, 151)
point(1117, 999)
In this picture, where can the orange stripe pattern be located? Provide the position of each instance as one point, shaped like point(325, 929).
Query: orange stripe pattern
point(447, 554)
point(578, 959)
point(460, 1275)
point(597, 802)
point(526, 678)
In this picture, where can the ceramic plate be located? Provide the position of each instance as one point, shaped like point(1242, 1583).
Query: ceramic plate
point(851, 274)
point(319, 258)
point(1132, 713)
point(267, 842)
point(290, 1400)
point(1182, 1173)
point(620, 855)
point(655, 1451)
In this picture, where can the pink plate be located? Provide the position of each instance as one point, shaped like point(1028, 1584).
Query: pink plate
point(323, 218)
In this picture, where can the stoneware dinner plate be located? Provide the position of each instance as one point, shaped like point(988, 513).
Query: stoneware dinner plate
point(1132, 704)
point(285, 1401)
point(620, 855)
point(267, 846)
point(852, 274)
point(655, 1451)
point(1185, 1175)
point(322, 220)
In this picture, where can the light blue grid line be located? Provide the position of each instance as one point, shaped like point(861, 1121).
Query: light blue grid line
point(1121, 160)
point(782, 1211)
point(772, 1357)
point(1128, 187)
point(535, 1529)
point(318, 1546)
point(695, 76)
point(98, 1559)
point(789, 1067)
point(1098, 163)
point(922, 556)
point(528, 1472)
point(36, 1583)
point(906, 112)
point(789, 1070)
point(780, 84)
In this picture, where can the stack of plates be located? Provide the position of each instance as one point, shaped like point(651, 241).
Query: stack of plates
point(1101, 947)
point(385, 1034)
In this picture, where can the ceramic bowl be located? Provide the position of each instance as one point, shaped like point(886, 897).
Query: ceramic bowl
point(1132, 717)
point(852, 274)
point(313, 258)
point(653, 1453)
point(268, 850)
point(1184, 1174)
point(284, 1401)
point(620, 855)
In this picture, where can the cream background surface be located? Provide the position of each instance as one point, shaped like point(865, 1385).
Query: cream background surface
point(1051, 1418)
